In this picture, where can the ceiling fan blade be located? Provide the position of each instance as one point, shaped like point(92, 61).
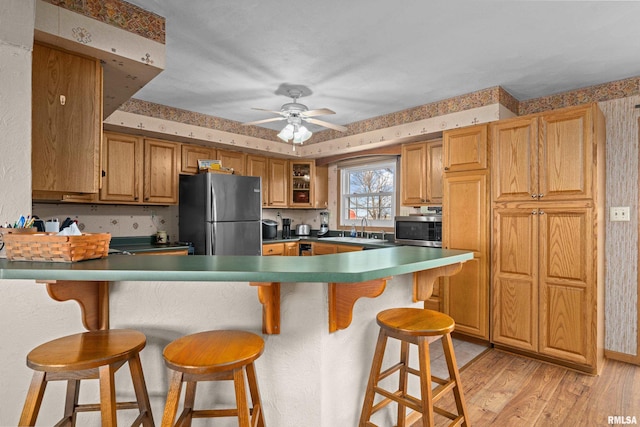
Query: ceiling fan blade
point(258, 122)
point(325, 124)
point(318, 112)
point(270, 111)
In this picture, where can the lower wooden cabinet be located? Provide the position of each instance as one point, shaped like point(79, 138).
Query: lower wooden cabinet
point(280, 248)
point(323, 248)
point(544, 282)
point(465, 219)
point(348, 248)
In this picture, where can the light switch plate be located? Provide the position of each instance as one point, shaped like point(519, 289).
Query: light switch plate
point(619, 213)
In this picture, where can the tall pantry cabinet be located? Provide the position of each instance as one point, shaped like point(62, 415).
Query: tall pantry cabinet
point(466, 225)
point(548, 174)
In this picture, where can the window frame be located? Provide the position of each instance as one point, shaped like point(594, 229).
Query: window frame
point(343, 174)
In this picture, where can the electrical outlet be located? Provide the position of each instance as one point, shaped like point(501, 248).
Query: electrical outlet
point(619, 213)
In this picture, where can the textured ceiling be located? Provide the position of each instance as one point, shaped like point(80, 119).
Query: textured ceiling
point(365, 58)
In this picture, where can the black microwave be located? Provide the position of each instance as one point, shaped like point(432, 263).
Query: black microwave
point(419, 230)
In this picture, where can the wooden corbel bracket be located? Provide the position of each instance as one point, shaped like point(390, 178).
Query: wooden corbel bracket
point(343, 296)
point(423, 280)
point(93, 298)
point(269, 297)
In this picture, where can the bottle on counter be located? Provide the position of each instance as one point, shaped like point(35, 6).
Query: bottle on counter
point(354, 233)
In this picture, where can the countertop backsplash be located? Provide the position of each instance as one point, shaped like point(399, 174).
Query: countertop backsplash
point(120, 220)
point(129, 221)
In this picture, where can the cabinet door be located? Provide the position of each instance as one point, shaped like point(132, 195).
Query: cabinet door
point(291, 249)
point(259, 166)
point(465, 148)
point(514, 162)
point(301, 183)
point(434, 172)
point(515, 278)
point(466, 226)
point(278, 183)
point(414, 174)
point(348, 248)
point(273, 249)
point(567, 284)
point(566, 164)
point(321, 187)
point(66, 121)
point(190, 154)
point(121, 168)
point(234, 160)
point(160, 172)
point(324, 248)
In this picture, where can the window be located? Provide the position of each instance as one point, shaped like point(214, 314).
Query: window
point(368, 191)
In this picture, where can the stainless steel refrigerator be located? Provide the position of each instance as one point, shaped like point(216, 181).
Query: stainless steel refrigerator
point(221, 214)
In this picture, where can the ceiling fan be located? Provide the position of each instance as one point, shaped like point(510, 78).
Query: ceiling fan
point(295, 113)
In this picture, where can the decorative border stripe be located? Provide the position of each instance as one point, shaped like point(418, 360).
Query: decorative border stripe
point(119, 14)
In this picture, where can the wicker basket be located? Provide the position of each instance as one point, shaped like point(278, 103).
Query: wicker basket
point(52, 248)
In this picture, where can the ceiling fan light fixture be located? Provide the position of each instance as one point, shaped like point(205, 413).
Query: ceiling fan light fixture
point(301, 135)
point(286, 133)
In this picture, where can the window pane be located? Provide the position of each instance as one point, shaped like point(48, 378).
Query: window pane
point(369, 192)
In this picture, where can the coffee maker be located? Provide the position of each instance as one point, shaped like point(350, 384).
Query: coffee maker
point(286, 228)
point(324, 223)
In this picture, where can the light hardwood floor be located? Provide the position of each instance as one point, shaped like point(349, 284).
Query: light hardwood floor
point(503, 389)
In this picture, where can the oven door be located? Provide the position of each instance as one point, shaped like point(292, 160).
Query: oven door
point(419, 230)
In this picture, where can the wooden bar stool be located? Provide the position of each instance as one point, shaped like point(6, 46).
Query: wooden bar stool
point(214, 356)
point(420, 327)
point(88, 355)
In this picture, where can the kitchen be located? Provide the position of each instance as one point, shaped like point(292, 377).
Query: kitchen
point(621, 169)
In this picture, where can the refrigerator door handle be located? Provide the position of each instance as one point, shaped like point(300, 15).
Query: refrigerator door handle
point(212, 235)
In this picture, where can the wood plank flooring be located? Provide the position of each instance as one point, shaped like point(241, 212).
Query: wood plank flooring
point(503, 389)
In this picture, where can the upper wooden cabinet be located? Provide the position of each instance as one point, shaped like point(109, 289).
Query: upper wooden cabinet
point(234, 160)
point(190, 154)
point(278, 183)
point(545, 157)
point(141, 171)
point(259, 166)
point(160, 172)
point(421, 173)
point(301, 184)
point(122, 158)
point(465, 148)
point(66, 122)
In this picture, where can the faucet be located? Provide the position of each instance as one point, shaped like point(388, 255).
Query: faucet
point(363, 221)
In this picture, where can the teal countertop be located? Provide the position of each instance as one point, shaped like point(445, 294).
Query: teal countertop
point(345, 267)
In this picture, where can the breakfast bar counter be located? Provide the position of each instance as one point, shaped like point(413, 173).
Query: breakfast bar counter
point(314, 368)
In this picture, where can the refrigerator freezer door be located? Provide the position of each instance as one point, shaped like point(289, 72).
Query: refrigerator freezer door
point(234, 238)
point(233, 198)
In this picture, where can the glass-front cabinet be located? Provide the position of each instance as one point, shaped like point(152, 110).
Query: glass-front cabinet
point(301, 184)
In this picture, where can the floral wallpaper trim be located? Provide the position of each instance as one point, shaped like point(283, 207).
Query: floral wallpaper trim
point(119, 14)
point(599, 93)
point(481, 98)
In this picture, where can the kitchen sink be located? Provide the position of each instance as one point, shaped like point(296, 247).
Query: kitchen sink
point(360, 240)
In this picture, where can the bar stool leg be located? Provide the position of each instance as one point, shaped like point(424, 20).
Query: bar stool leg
point(186, 417)
point(34, 400)
point(173, 398)
point(425, 382)
point(402, 383)
point(107, 396)
point(140, 388)
point(454, 374)
point(255, 396)
point(71, 401)
point(241, 397)
point(376, 365)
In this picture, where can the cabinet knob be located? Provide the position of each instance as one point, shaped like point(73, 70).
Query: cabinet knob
point(540, 196)
point(446, 168)
point(541, 212)
point(534, 196)
point(534, 212)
